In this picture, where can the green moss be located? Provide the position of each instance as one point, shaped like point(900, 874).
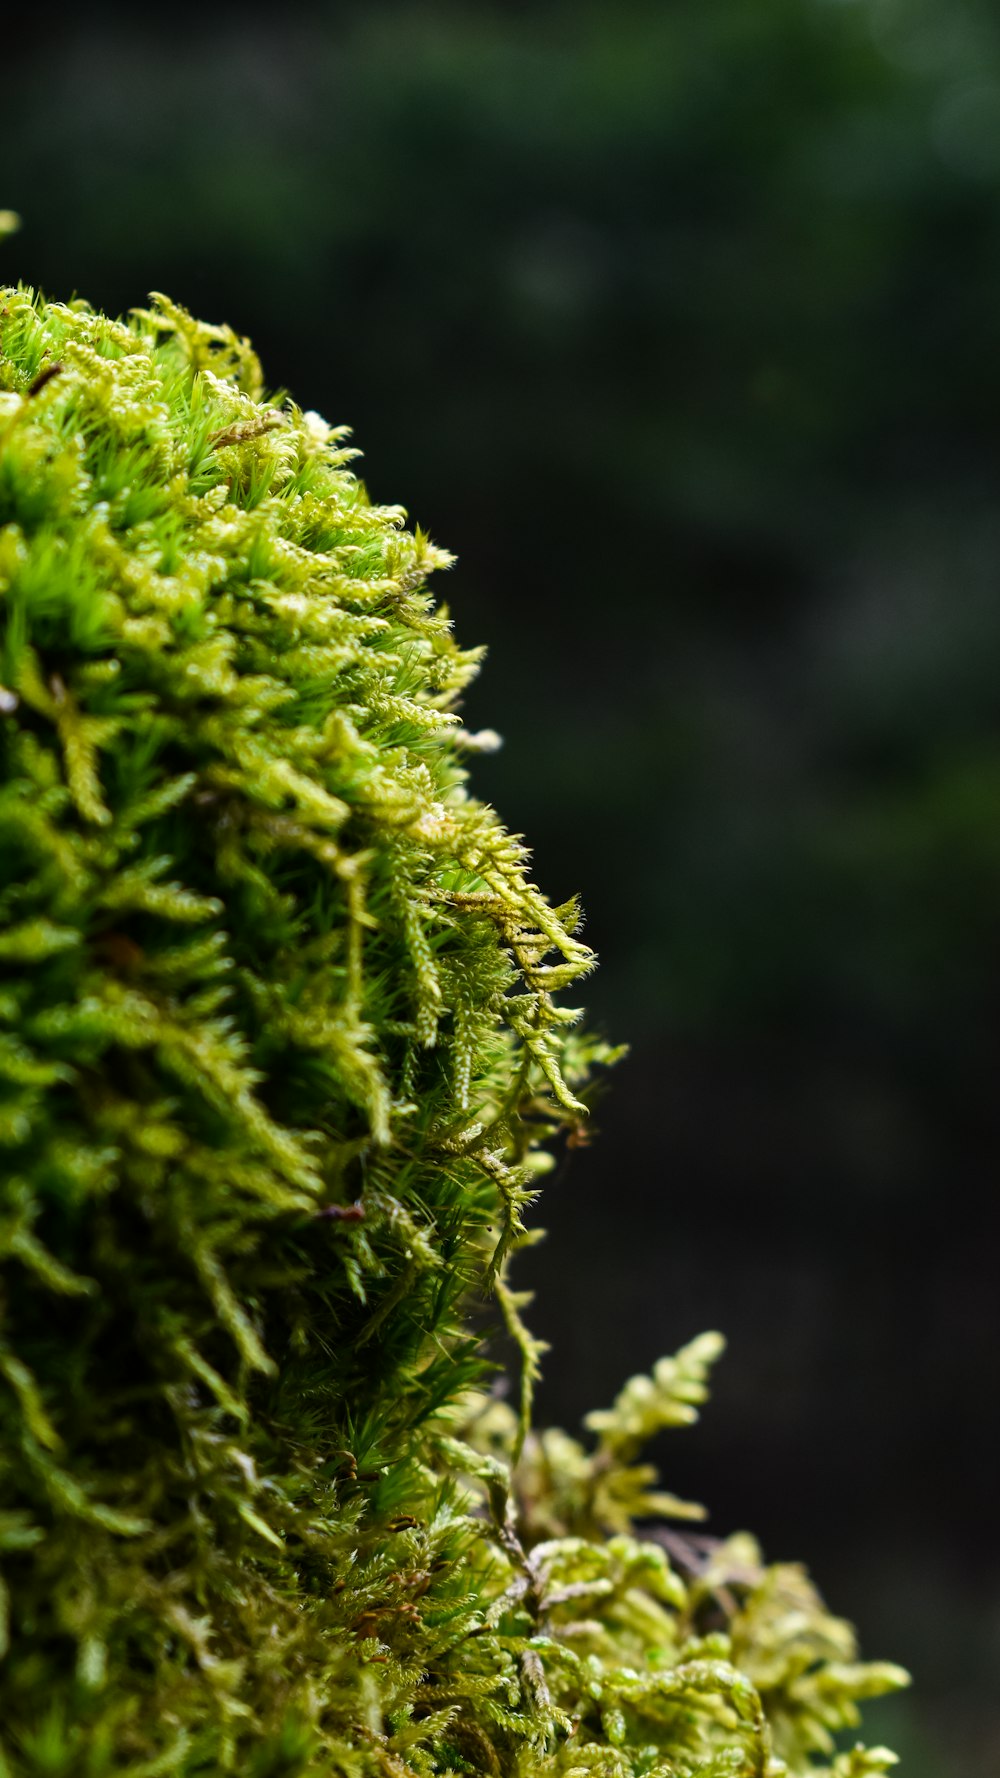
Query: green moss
point(281, 1045)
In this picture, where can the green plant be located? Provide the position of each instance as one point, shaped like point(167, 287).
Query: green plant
point(280, 1051)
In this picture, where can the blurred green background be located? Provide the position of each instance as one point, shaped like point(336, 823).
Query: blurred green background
point(680, 322)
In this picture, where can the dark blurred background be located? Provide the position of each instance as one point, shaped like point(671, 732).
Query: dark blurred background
point(680, 321)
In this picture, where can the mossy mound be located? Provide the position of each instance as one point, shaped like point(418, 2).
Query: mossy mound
point(280, 1046)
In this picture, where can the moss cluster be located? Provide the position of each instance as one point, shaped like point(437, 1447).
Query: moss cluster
point(281, 1046)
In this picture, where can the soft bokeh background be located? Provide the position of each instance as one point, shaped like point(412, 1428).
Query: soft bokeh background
point(680, 321)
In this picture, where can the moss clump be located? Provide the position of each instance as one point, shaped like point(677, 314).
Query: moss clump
point(280, 1045)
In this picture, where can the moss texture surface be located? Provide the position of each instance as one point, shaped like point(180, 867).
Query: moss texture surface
point(281, 1046)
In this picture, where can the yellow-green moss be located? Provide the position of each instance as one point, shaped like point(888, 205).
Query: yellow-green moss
point(280, 1044)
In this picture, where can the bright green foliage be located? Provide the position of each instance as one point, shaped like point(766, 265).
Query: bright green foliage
point(280, 1043)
